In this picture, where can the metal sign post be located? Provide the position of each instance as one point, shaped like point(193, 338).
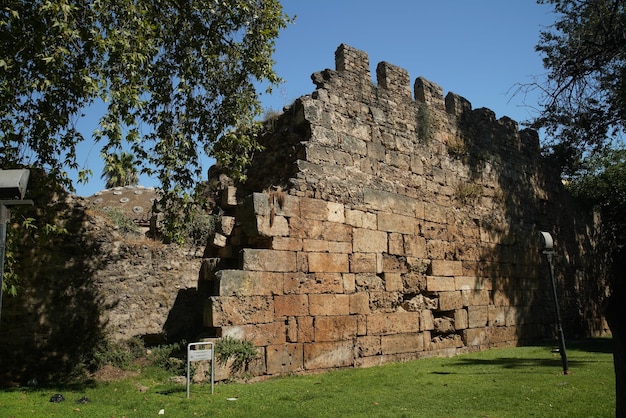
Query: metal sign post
point(200, 355)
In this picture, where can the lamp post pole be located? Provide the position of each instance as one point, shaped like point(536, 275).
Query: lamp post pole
point(548, 253)
point(4, 219)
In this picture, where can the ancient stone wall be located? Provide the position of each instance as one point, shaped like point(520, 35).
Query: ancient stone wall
point(383, 225)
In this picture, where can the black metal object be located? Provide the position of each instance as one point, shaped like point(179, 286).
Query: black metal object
point(547, 240)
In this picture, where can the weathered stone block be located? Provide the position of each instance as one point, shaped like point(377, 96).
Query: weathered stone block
point(368, 345)
point(314, 245)
point(393, 282)
point(218, 240)
point(475, 337)
point(314, 209)
point(477, 316)
point(415, 246)
point(472, 283)
point(369, 241)
point(329, 304)
point(229, 197)
point(335, 328)
point(393, 323)
point(475, 297)
point(313, 283)
point(359, 303)
point(305, 329)
point(363, 263)
point(389, 202)
point(360, 219)
point(260, 334)
point(439, 284)
point(391, 222)
point(327, 355)
point(496, 315)
point(269, 260)
point(460, 319)
point(328, 263)
point(349, 282)
point(402, 343)
point(333, 231)
point(449, 301)
point(291, 305)
point(336, 212)
point(270, 226)
point(249, 283)
point(221, 311)
point(446, 268)
point(427, 320)
point(286, 244)
point(284, 358)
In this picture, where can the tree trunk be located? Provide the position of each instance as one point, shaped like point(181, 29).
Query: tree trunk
point(616, 318)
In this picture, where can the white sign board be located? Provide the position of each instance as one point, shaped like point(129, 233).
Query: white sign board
point(195, 352)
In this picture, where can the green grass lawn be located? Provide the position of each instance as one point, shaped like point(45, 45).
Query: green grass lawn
point(512, 382)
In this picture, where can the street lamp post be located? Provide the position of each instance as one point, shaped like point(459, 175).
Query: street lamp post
point(12, 189)
point(548, 244)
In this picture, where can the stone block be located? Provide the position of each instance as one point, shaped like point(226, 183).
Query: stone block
point(268, 260)
point(449, 301)
point(477, 316)
point(286, 244)
point(369, 241)
point(415, 246)
point(329, 304)
point(227, 224)
point(460, 319)
point(436, 214)
point(220, 311)
point(229, 197)
point(328, 355)
point(328, 263)
point(291, 305)
point(333, 231)
point(314, 209)
point(427, 320)
point(360, 219)
point(393, 323)
point(336, 212)
point(389, 202)
point(393, 282)
point(349, 282)
point(472, 283)
point(259, 334)
point(249, 283)
point(475, 297)
point(496, 315)
point(306, 331)
point(284, 358)
point(291, 328)
point(270, 226)
point(313, 283)
point(402, 343)
point(391, 222)
point(439, 284)
point(446, 268)
point(218, 240)
point(340, 247)
point(368, 345)
point(475, 337)
point(359, 303)
point(363, 263)
point(396, 243)
point(315, 245)
point(335, 328)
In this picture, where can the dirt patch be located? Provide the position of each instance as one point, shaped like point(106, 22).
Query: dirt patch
point(110, 373)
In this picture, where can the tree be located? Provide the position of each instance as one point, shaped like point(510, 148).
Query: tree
point(175, 77)
point(120, 170)
point(583, 112)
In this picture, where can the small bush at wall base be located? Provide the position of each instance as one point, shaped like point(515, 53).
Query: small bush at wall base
point(241, 351)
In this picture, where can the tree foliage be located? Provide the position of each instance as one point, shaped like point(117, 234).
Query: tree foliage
point(175, 76)
point(584, 96)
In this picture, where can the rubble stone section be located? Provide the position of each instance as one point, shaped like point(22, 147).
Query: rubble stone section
point(385, 225)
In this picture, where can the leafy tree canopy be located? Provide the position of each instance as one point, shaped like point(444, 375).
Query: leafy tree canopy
point(120, 170)
point(175, 76)
point(583, 106)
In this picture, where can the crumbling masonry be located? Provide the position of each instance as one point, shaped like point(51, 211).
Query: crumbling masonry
point(383, 226)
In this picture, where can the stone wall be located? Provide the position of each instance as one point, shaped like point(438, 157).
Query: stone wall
point(381, 225)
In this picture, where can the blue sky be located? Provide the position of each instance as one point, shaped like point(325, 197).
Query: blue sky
point(479, 49)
